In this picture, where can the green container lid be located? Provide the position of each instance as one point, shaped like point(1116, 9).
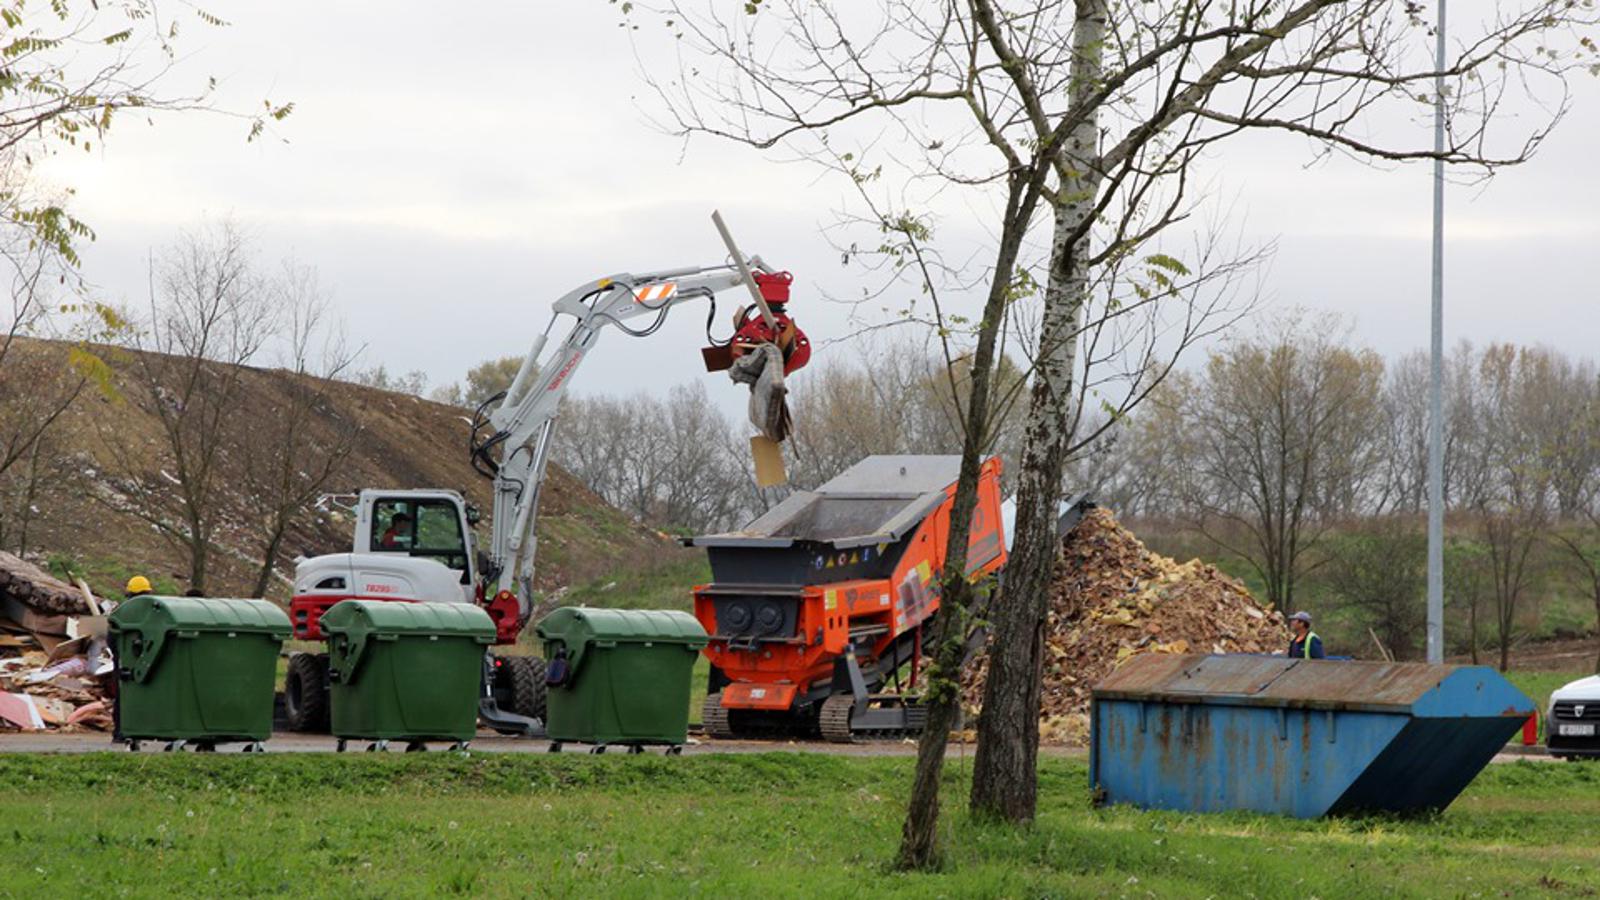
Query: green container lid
point(352, 625)
point(359, 618)
point(576, 625)
point(148, 612)
point(154, 618)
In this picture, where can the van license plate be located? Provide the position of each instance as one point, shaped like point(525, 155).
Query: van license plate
point(1585, 730)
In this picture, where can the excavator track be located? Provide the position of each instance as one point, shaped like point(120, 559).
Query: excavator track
point(834, 720)
point(714, 719)
point(835, 725)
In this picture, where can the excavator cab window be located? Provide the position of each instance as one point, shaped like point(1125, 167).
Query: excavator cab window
point(427, 528)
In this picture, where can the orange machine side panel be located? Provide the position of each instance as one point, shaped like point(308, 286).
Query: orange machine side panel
point(986, 543)
point(744, 695)
point(915, 581)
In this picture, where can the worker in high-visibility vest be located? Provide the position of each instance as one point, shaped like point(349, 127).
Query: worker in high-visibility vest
point(1305, 643)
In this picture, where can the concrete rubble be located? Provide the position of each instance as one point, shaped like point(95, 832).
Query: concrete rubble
point(56, 670)
point(1112, 599)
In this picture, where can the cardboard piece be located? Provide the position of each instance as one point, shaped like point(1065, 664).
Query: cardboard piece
point(19, 710)
point(769, 461)
point(33, 620)
point(52, 711)
point(94, 626)
point(717, 359)
point(65, 649)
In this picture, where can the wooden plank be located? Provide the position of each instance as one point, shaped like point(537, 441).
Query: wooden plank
point(769, 461)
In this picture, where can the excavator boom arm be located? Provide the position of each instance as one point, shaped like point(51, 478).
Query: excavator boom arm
point(512, 432)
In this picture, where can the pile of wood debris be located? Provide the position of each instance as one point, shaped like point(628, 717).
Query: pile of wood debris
point(1113, 598)
point(56, 670)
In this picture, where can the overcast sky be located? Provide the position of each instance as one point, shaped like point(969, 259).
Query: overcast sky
point(450, 170)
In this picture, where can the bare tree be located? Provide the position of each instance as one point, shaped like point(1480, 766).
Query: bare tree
point(1513, 511)
point(1098, 110)
point(210, 314)
point(50, 475)
point(1282, 435)
point(1379, 571)
point(591, 440)
point(892, 396)
point(35, 387)
point(669, 462)
point(1467, 589)
point(1580, 538)
point(300, 442)
point(1582, 552)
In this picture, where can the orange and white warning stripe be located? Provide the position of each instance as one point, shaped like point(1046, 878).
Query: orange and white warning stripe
point(655, 293)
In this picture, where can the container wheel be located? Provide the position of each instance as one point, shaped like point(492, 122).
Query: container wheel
point(305, 692)
point(714, 719)
point(834, 721)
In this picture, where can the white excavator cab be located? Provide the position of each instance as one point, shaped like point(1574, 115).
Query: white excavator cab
point(419, 524)
point(409, 545)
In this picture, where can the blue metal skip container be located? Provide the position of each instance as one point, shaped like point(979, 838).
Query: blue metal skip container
point(1301, 738)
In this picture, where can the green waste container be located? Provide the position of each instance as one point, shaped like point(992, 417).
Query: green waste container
point(196, 670)
point(619, 676)
point(405, 671)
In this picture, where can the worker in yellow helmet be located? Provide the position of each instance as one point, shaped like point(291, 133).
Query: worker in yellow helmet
point(137, 585)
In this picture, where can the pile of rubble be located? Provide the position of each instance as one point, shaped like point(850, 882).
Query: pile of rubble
point(1112, 598)
point(56, 670)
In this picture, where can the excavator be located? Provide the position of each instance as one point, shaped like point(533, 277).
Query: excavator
point(417, 545)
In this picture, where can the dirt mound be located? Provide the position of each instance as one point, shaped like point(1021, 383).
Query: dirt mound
point(83, 516)
point(1113, 598)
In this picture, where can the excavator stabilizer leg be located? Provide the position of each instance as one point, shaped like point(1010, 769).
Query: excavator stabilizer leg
point(503, 721)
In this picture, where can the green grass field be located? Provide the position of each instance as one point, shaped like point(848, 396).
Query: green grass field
point(772, 824)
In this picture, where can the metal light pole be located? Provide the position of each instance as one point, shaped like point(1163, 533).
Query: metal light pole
point(1436, 379)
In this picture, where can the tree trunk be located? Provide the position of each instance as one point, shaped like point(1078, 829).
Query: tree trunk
point(269, 559)
point(919, 839)
point(1597, 619)
point(198, 555)
point(1005, 774)
point(1472, 629)
point(28, 497)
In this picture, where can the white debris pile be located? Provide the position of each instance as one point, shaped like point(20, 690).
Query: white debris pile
point(56, 670)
